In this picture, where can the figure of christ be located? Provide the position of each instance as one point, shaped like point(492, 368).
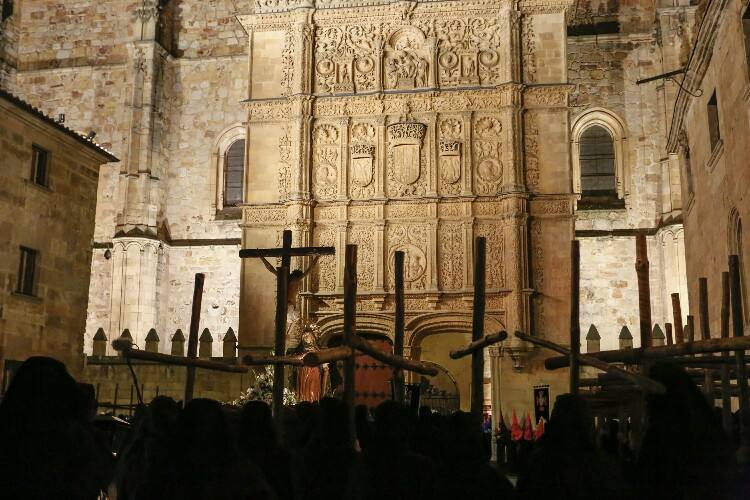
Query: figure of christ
point(301, 337)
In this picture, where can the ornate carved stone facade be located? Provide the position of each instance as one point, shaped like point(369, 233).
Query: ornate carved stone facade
point(413, 123)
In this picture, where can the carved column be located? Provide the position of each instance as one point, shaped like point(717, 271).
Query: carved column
point(342, 228)
point(380, 164)
point(516, 266)
point(343, 187)
point(432, 164)
point(380, 257)
point(510, 22)
point(300, 134)
point(468, 170)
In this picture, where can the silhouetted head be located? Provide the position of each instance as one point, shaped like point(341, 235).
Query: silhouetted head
point(570, 423)
point(164, 412)
point(41, 396)
point(393, 425)
point(463, 438)
point(202, 435)
point(332, 425)
point(256, 426)
point(682, 400)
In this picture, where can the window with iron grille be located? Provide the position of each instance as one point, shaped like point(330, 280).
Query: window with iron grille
point(27, 271)
point(234, 173)
point(40, 166)
point(597, 162)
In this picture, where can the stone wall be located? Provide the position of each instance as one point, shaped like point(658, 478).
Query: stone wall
point(715, 181)
point(58, 222)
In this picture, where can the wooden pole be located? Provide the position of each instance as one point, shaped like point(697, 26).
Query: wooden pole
point(689, 331)
point(114, 402)
point(679, 336)
point(282, 282)
point(350, 328)
point(646, 383)
point(478, 345)
point(708, 383)
point(398, 326)
point(726, 397)
point(125, 347)
point(668, 328)
point(252, 360)
point(477, 326)
point(644, 289)
point(575, 325)
point(195, 319)
point(738, 331)
point(330, 355)
point(633, 356)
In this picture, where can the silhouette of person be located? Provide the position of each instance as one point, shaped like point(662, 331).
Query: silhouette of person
point(685, 453)
point(47, 444)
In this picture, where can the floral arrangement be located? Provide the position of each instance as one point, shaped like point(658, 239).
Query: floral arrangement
point(262, 390)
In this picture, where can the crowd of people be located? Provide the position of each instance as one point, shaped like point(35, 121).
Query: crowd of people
point(50, 449)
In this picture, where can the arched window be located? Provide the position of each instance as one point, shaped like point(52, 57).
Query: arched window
point(234, 173)
point(599, 159)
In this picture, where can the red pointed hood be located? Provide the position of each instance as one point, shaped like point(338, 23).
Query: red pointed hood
point(539, 429)
point(528, 429)
point(516, 433)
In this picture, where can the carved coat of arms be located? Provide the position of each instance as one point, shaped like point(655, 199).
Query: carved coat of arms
point(362, 164)
point(405, 140)
point(450, 161)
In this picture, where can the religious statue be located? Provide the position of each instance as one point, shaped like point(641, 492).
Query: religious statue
point(309, 378)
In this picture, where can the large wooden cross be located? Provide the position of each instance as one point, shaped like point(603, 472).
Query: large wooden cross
point(286, 252)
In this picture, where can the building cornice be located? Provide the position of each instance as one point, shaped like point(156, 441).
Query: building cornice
point(695, 71)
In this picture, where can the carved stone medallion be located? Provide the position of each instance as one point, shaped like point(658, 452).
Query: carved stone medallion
point(415, 261)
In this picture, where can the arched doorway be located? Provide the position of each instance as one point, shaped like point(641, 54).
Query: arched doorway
point(440, 392)
point(372, 378)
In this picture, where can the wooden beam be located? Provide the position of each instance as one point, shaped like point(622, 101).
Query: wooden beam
point(726, 398)
point(127, 351)
point(350, 328)
point(644, 289)
point(398, 362)
point(633, 356)
point(477, 325)
point(575, 324)
point(279, 340)
point(478, 345)
point(679, 336)
point(284, 252)
point(195, 319)
point(708, 383)
point(649, 385)
point(330, 355)
point(668, 328)
point(252, 360)
point(398, 325)
point(738, 332)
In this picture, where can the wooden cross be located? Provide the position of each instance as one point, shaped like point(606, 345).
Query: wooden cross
point(286, 252)
point(478, 340)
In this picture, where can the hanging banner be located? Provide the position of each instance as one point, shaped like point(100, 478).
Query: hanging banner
point(541, 402)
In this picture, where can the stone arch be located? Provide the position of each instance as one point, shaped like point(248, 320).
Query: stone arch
point(221, 145)
point(375, 323)
point(441, 322)
point(613, 124)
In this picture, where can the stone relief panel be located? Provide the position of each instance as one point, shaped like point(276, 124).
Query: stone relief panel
point(347, 58)
point(528, 49)
point(326, 160)
point(325, 279)
point(362, 149)
point(493, 232)
point(468, 51)
point(450, 163)
point(531, 149)
point(364, 238)
point(412, 240)
point(406, 156)
point(487, 154)
point(450, 255)
point(537, 274)
point(407, 60)
point(285, 162)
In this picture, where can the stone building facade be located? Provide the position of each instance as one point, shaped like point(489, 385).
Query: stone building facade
point(708, 138)
point(411, 126)
point(48, 184)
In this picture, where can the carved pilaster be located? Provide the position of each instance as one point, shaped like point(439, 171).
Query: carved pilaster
point(300, 132)
point(380, 257)
point(468, 173)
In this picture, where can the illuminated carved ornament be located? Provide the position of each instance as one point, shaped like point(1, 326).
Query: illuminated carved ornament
point(405, 141)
